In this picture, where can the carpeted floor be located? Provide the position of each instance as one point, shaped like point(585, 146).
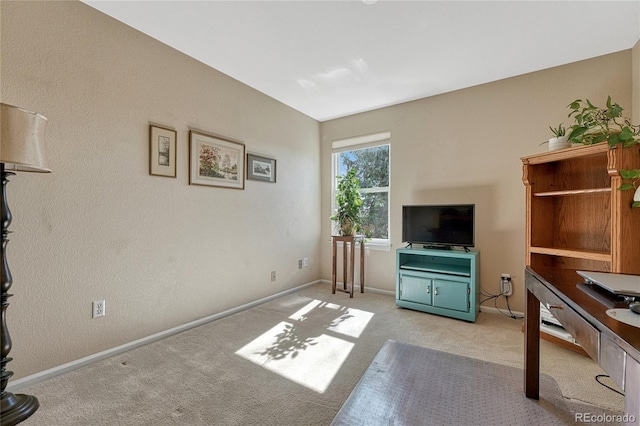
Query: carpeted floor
point(411, 385)
point(291, 361)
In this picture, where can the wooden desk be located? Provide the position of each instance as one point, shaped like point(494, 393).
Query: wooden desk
point(614, 345)
point(347, 266)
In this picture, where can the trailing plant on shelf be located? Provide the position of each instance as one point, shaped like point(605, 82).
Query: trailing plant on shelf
point(595, 124)
point(348, 200)
point(634, 176)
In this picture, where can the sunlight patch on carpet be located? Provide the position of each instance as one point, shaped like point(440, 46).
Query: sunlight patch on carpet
point(302, 350)
point(352, 323)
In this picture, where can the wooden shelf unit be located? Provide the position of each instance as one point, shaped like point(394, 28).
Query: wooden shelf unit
point(576, 216)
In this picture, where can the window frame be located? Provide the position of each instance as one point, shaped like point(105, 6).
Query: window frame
point(355, 143)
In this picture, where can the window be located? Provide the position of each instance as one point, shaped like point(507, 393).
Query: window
point(369, 155)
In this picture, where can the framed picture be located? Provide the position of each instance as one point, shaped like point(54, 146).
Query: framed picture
point(261, 168)
point(215, 161)
point(162, 151)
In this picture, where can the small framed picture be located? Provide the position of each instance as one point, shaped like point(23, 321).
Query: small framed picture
point(261, 168)
point(215, 161)
point(162, 151)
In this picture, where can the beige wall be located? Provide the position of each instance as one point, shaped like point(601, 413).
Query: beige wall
point(161, 252)
point(636, 82)
point(465, 147)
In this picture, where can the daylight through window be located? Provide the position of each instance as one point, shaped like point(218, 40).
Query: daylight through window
point(369, 156)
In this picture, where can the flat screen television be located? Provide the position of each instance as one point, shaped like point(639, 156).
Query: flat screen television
point(439, 226)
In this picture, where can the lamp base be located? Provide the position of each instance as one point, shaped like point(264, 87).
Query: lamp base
point(16, 408)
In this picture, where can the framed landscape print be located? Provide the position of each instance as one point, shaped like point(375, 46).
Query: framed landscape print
point(162, 151)
point(215, 161)
point(261, 168)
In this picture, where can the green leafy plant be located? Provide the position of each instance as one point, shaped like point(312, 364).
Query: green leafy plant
point(349, 202)
point(634, 176)
point(558, 131)
point(595, 124)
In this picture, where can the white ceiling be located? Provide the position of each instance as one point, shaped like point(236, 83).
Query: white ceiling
point(330, 59)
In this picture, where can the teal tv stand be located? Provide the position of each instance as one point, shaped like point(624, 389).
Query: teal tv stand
point(443, 282)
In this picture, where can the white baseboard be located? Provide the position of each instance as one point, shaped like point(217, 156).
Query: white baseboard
point(485, 309)
point(495, 311)
point(370, 289)
point(16, 385)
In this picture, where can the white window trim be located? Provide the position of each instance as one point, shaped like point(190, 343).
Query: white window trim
point(363, 141)
point(360, 142)
point(375, 245)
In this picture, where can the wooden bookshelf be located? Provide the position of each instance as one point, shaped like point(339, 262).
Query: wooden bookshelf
point(576, 217)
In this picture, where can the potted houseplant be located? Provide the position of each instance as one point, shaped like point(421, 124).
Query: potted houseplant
point(595, 124)
point(560, 139)
point(348, 200)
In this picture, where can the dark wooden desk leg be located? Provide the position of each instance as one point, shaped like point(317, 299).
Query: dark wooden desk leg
point(345, 247)
point(333, 271)
point(532, 346)
point(351, 267)
point(362, 267)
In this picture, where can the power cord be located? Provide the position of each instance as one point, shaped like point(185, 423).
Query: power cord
point(599, 376)
point(495, 297)
point(514, 316)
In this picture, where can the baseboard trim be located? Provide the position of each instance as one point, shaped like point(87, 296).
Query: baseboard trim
point(36, 378)
point(371, 289)
point(495, 311)
point(17, 385)
point(485, 309)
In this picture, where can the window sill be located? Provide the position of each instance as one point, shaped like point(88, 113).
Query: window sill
point(378, 246)
point(371, 245)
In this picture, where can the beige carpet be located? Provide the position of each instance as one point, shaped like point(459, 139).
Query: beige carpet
point(411, 385)
point(291, 361)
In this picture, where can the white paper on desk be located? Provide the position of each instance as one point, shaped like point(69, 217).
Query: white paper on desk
point(625, 316)
point(624, 285)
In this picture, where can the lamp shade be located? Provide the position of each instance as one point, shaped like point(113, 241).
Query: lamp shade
point(22, 140)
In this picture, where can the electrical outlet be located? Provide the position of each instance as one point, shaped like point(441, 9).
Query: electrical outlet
point(506, 288)
point(273, 276)
point(98, 308)
point(306, 262)
point(300, 264)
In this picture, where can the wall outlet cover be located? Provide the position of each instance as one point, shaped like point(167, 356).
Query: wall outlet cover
point(98, 308)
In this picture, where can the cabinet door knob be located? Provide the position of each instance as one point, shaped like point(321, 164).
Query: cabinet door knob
point(554, 306)
point(435, 291)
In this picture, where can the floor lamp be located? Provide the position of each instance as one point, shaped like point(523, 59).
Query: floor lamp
point(21, 149)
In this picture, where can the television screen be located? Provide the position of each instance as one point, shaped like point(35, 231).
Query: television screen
point(439, 225)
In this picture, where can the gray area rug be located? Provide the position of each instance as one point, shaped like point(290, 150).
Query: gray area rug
point(411, 385)
point(295, 361)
